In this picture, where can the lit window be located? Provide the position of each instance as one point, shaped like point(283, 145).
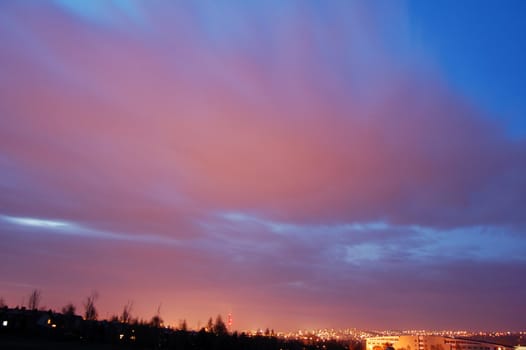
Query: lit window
point(4, 323)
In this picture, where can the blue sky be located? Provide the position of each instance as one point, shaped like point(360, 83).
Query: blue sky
point(475, 46)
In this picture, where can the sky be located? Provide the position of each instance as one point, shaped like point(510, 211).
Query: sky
point(298, 164)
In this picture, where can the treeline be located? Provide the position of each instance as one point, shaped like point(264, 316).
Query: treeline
point(78, 333)
point(90, 312)
point(124, 332)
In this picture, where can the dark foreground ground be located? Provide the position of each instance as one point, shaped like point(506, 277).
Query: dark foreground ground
point(18, 343)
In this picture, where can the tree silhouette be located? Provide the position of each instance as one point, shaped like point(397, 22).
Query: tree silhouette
point(69, 310)
point(157, 321)
point(210, 325)
point(183, 326)
point(2, 303)
point(34, 299)
point(126, 312)
point(90, 312)
point(219, 326)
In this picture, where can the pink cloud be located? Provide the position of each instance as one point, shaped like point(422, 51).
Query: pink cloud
point(157, 131)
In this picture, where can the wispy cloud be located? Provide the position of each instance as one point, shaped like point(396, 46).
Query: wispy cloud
point(362, 243)
point(60, 227)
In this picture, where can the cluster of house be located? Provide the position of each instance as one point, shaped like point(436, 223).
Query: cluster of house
point(38, 322)
point(431, 342)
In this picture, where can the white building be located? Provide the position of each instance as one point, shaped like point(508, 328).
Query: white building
point(430, 342)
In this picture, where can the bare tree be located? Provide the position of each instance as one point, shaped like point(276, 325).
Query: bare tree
point(69, 310)
point(126, 312)
point(90, 312)
point(157, 321)
point(2, 303)
point(34, 299)
point(183, 326)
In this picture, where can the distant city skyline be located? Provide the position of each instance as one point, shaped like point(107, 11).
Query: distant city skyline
point(298, 164)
